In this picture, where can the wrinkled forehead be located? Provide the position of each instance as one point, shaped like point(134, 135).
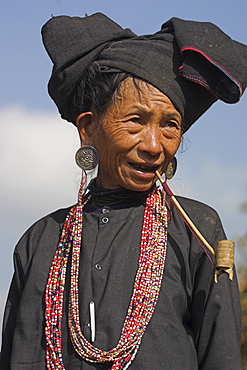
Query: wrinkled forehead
point(139, 89)
point(135, 95)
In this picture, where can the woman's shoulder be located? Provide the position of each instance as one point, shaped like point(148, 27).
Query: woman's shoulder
point(202, 215)
point(196, 207)
point(46, 228)
point(54, 218)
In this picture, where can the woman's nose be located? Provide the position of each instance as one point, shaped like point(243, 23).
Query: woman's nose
point(151, 141)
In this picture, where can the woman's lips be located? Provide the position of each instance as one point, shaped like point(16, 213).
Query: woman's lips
point(143, 167)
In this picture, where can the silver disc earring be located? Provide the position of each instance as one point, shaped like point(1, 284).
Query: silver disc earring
point(171, 168)
point(87, 157)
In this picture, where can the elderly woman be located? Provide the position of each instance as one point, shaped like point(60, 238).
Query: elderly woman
point(119, 280)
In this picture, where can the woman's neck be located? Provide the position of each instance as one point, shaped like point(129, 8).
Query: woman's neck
point(120, 196)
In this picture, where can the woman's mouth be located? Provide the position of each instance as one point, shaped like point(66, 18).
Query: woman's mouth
point(143, 167)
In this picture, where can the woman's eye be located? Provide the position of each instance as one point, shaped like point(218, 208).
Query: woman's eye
point(171, 124)
point(135, 119)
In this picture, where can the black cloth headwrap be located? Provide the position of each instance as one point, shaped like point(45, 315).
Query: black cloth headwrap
point(193, 63)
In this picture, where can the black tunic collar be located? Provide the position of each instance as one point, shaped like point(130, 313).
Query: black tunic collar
point(116, 198)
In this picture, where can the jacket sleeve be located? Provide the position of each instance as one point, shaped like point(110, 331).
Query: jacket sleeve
point(10, 313)
point(39, 240)
point(216, 313)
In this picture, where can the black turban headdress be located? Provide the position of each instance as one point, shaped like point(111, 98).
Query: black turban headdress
point(193, 63)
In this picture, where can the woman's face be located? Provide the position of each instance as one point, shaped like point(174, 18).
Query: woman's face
point(140, 134)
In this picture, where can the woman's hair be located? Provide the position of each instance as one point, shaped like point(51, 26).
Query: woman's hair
point(96, 92)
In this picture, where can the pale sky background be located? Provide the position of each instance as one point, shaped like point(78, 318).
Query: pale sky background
point(38, 173)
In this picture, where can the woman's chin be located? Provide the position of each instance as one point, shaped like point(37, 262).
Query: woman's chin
point(139, 185)
point(130, 180)
point(142, 181)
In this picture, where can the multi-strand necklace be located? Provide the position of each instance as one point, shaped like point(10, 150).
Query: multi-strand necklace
point(144, 296)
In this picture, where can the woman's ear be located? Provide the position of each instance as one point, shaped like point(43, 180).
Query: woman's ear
point(84, 124)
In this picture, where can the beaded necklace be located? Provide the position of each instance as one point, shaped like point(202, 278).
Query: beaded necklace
point(144, 296)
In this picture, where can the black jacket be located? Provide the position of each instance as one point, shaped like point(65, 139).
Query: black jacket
point(196, 323)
